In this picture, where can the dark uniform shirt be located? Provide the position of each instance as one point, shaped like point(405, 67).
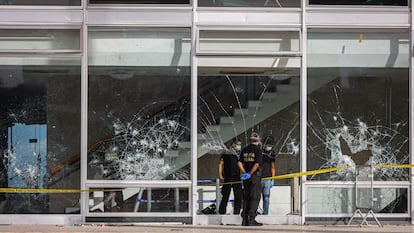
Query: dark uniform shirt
point(250, 155)
point(268, 158)
point(231, 171)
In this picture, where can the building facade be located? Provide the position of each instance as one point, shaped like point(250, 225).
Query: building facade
point(118, 111)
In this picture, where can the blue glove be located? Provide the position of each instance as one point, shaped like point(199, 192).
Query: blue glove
point(272, 182)
point(245, 176)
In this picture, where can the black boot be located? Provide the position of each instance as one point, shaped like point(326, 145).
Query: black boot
point(245, 220)
point(253, 222)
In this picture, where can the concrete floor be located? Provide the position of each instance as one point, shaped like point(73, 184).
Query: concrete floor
point(161, 228)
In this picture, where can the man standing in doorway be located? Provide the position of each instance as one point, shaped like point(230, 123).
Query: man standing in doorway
point(268, 170)
point(249, 165)
point(230, 173)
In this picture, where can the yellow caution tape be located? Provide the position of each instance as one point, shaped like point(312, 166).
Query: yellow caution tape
point(326, 170)
point(26, 190)
point(307, 173)
point(395, 165)
point(30, 190)
point(279, 177)
point(296, 174)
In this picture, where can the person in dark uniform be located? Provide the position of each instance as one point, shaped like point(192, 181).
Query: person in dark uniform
point(268, 170)
point(229, 172)
point(249, 165)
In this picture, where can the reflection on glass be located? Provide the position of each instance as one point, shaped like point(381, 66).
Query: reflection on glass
point(139, 105)
point(139, 200)
point(249, 3)
point(328, 200)
point(42, 2)
point(40, 132)
point(358, 103)
point(233, 101)
point(39, 39)
point(359, 2)
point(246, 41)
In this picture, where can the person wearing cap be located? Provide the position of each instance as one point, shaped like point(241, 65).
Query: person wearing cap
point(229, 173)
point(268, 170)
point(250, 164)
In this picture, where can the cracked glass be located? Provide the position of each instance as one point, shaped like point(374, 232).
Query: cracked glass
point(358, 114)
point(358, 102)
point(40, 132)
point(139, 104)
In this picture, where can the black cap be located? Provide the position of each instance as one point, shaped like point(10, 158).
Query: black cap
point(235, 140)
point(254, 137)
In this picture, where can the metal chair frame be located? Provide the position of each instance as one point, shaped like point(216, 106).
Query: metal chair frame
point(364, 195)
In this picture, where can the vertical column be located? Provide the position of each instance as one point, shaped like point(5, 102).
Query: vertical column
point(218, 194)
point(303, 113)
point(84, 114)
point(194, 93)
point(194, 152)
point(149, 200)
point(177, 199)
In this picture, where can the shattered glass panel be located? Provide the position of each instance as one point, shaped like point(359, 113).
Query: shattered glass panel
point(139, 200)
point(39, 133)
point(358, 103)
point(331, 200)
point(139, 105)
point(238, 96)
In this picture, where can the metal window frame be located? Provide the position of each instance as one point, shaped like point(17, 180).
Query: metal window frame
point(43, 51)
point(199, 55)
point(87, 183)
point(303, 114)
point(93, 184)
point(47, 218)
point(377, 184)
point(307, 14)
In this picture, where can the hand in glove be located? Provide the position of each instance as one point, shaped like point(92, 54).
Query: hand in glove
point(245, 176)
point(272, 182)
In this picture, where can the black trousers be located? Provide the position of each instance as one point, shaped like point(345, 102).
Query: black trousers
point(238, 197)
point(252, 189)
